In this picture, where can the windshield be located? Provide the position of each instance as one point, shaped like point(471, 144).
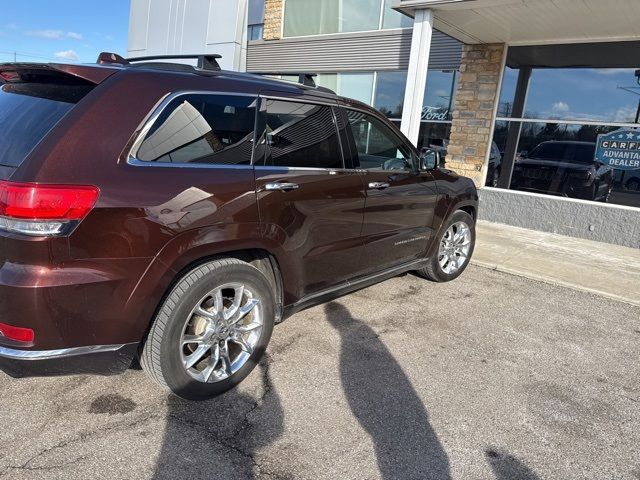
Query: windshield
point(565, 152)
point(28, 111)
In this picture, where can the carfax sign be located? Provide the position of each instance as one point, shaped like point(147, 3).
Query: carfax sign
point(619, 149)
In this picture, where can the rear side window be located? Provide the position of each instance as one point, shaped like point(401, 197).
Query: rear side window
point(300, 135)
point(28, 111)
point(208, 129)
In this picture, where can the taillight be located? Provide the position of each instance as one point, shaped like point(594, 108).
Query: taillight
point(19, 334)
point(40, 209)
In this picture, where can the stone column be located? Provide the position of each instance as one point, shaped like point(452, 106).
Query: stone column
point(475, 107)
point(273, 18)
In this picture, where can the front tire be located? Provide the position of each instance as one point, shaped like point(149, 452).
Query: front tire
point(211, 330)
point(455, 248)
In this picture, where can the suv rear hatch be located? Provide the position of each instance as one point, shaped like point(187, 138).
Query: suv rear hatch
point(33, 99)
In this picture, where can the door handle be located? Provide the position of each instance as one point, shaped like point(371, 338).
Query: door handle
point(281, 186)
point(378, 185)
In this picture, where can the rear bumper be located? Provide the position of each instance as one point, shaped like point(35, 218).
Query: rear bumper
point(94, 359)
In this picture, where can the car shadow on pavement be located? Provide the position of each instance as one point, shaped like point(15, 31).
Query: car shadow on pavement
point(385, 403)
point(507, 467)
point(219, 438)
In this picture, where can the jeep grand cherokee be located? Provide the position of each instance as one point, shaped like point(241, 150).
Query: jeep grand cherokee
point(174, 214)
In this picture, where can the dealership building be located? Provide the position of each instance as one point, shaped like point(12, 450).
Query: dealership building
point(538, 101)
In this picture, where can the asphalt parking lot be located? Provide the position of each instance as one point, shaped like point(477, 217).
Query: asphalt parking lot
point(489, 377)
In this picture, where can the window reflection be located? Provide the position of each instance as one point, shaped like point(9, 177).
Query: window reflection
point(300, 135)
point(378, 147)
point(559, 159)
point(587, 94)
point(314, 17)
point(207, 129)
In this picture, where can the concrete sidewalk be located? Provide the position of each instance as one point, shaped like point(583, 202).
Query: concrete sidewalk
point(608, 270)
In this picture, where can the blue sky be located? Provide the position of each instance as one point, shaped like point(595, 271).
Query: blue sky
point(63, 30)
point(601, 95)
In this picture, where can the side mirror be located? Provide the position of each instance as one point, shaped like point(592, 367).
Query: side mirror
point(428, 159)
point(524, 153)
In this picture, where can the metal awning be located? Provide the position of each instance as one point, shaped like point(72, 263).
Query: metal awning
point(532, 22)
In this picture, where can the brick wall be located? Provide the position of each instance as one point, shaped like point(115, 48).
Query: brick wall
point(273, 10)
point(473, 114)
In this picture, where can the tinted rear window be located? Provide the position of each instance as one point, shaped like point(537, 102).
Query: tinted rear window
point(28, 111)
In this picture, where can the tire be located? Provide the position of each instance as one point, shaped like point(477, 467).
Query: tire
point(435, 270)
point(197, 309)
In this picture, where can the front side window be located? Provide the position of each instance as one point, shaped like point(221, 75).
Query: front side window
point(379, 148)
point(202, 129)
point(300, 135)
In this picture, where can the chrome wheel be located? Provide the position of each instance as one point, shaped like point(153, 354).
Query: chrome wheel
point(454, 248)
point(221, 333)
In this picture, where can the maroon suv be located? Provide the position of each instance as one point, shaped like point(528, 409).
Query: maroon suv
point(174, 214)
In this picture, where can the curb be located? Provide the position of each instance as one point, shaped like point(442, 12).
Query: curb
point(559, 283)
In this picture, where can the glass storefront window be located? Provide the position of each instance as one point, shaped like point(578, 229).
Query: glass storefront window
point(587, 94)
point(439, 94)
point(390, 88)
point(255, 19)
point(256, 12)
point(555, 142)
point(389, 98)
point(507, 92)
point(358, 86)
point(393, 19)
point(314, 17)
point(558, 159)
point(255, 32)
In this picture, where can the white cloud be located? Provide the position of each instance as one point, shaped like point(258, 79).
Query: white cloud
point(50, 34)
point(54, 34)
point(68, 55)
point(561, 107)
point(613, 71)
point(625, 114)
point(109, 38)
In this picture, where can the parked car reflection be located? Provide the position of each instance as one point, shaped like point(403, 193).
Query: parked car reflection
point(565, 168)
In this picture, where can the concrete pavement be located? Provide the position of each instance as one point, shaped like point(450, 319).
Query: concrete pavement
point(608, 270)
point(492, 376)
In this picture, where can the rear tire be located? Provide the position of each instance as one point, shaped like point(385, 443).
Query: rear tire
point(211, 330)
point(455, 248)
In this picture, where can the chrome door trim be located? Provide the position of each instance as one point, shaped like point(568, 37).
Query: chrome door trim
point(14, 354)
point(141, 163)
point(281, 186)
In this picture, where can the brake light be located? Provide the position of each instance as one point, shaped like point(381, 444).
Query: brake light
point(19, 334)
point(40, 209)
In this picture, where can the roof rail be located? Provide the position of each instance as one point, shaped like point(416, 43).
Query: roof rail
point(304, 78)
point(206, 62)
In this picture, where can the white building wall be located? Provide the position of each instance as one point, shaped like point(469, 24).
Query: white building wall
point(162, 27)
